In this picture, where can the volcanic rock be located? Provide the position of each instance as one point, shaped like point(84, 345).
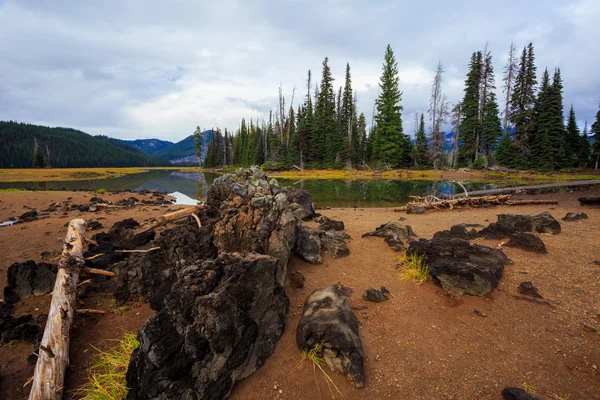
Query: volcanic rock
point(575, 216)
point(296, 279)
point(541, 223)
point(327, 224)
point(19, 328)
point(300, 202)
point(393, 232)
point(376, 296)
point(459, 267)
point(220, 323)
point(29, 279)
point(29, 216)
point(308, 245)
point(514, 393)
point(457, 231)
point(528, 289)
point(328, 321)
point(334, 244)
point(528, 242)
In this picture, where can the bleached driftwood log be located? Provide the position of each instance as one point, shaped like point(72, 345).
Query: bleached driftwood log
point(53, 358)
point(438, 204)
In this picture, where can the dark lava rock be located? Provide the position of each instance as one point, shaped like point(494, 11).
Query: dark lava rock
point(575, 216)
point(393, 232)
point(119, 227)
point(541, 223)
point(456, 231)
point(29, 216)
point(327, 224)
point(300, 202)
point(334, 244)
point(597, 262)
point(96, 200)
point(29, 279)
point(416, 209)
point(514, 393)
point(296, 279)
point(93, 225)
point(459, 267)
point(19, 328)
point(220, 323)
point(528, 242)
point(308, 245)
point(328, 321)
point(376, 296)
point(83, 207)
point(528, 289)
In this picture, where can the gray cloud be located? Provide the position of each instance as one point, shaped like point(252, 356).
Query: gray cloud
point(158, 69)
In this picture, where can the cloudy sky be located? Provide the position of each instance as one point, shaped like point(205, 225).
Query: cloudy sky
point(150, 68)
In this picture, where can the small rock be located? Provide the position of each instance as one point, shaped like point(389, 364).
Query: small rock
point(575, 216)
point(296, 279)
point(528, 242)
point(514, 393)
point(528, 289)
point(480, 313)
point(416, 209)
point(93, 225)
point(377, 296)
point(29, 216)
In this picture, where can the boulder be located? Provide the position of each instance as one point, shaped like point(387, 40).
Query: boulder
point(328, 321)
point(334, 244)
point(29, 279)
point(457, 231)
point(514, 393)
point(300, 202)
point(220, 322)
point(19, 328)
point(459, 267)
point(332, 225)
point(528, 242)
point(393, 232)
point(575, 216)
point(541, 223)
point(376, 296)
point(93, 225)
point(308, 245)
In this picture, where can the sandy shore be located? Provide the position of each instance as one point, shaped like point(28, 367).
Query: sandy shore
point(421, 344)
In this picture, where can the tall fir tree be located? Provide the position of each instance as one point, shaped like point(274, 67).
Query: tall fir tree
point(506, 151)
point(595, 131)
point(573, 140)
point(470, 125)
point(585, 149)
point(362, 134)
point(523, 102)
point(390, 144)
point(38, 155)
point(540, 150)
point(348, 123)
point(421, 149)
point(325, 135)
point(491, 128)
point(556, 124)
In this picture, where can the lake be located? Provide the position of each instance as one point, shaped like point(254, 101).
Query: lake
point(189, 186)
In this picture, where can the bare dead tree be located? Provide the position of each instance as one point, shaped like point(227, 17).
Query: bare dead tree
point(438, 114)
point(510, 76)
point(456, 117)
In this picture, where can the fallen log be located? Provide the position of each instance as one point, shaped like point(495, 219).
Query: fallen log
point(49, 376)
point(297, 167)
point(172, 217)
point(138, 251)
point(589, 200)
point(473, 202)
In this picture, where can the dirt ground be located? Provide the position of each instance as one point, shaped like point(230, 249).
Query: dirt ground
point(421, 344)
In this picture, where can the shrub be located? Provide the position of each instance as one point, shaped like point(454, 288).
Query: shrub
point(101, 191)
point(413, 267)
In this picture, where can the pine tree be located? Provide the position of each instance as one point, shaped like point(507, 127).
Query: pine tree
point(389, 142)
point(470, 126)
point(421, 149)
point(585, 150)
point(198, 143)
point(505, 153)
point(348, 123)
point(596, 134)
point(38, 155)
point(556, 126)
point(540, 151)
point(325, 136)
point(573, 140)
point(491, 128)
point(362, 134)
point(523, 102)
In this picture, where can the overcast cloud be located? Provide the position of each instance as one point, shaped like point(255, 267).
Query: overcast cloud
point(150, 68)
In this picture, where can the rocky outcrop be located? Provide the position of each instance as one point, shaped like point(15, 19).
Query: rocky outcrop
point(300, 202)
point(29, 279)
point(393, 232)
point(459, 267)
point(376, 296)
point(528, 242)
point(541, 223)
point(575, 216)
point(328, 321)
point(219, 323)
point(327, 224)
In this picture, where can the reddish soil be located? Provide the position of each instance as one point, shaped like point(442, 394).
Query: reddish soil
point(421, 344)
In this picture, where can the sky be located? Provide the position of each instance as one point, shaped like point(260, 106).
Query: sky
point(157, 69)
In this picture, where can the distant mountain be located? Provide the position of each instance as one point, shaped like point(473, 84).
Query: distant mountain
point(67, 148)
point(184, 152)
point(148, 146)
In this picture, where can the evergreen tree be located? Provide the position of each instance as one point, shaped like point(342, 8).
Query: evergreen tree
point(585, 150)
point(327, 128)
point(389, 142)
point(505, 153)
point(555, 125)
point(595, 131)
point(490, 123)
point(362, 134)
point(38, 155)
point(348, 123)
point(573, 141)
point(198, 144)
point(421, 150)
point(540, 151)
point(470, 126)
point(523, 102)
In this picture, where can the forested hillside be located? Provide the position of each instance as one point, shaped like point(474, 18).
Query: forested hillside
point(185, 151)
point(26, 145)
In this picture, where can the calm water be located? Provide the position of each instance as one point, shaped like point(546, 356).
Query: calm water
point(331, 193)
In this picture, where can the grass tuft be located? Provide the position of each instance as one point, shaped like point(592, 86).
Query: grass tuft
point(529, 388)
point(106, 377)
point(413, 267)
point(315, 356)
point(101, 191)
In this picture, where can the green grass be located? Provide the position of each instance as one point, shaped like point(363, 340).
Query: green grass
point(529, 388)
point(11, 344)
point(314, 355)
point(106, 376)
point(413, 267)
point(101, 191)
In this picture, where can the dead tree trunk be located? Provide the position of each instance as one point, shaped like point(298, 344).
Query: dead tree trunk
point(49, 376)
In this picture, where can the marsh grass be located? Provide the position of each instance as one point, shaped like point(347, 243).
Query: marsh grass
point(106, 376)
point(314, 355)
point(413, 268)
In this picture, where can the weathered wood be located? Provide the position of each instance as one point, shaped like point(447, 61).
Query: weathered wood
point(297, 167)
point(87, 311)
point(138, 251)
point(53, 358)
point(509, 190)
point(589, 200)
point(197, 220)
point(94, 271)
point(172, 217)
point(473, 202)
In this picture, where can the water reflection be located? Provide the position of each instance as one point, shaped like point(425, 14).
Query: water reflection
point(325, 193)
